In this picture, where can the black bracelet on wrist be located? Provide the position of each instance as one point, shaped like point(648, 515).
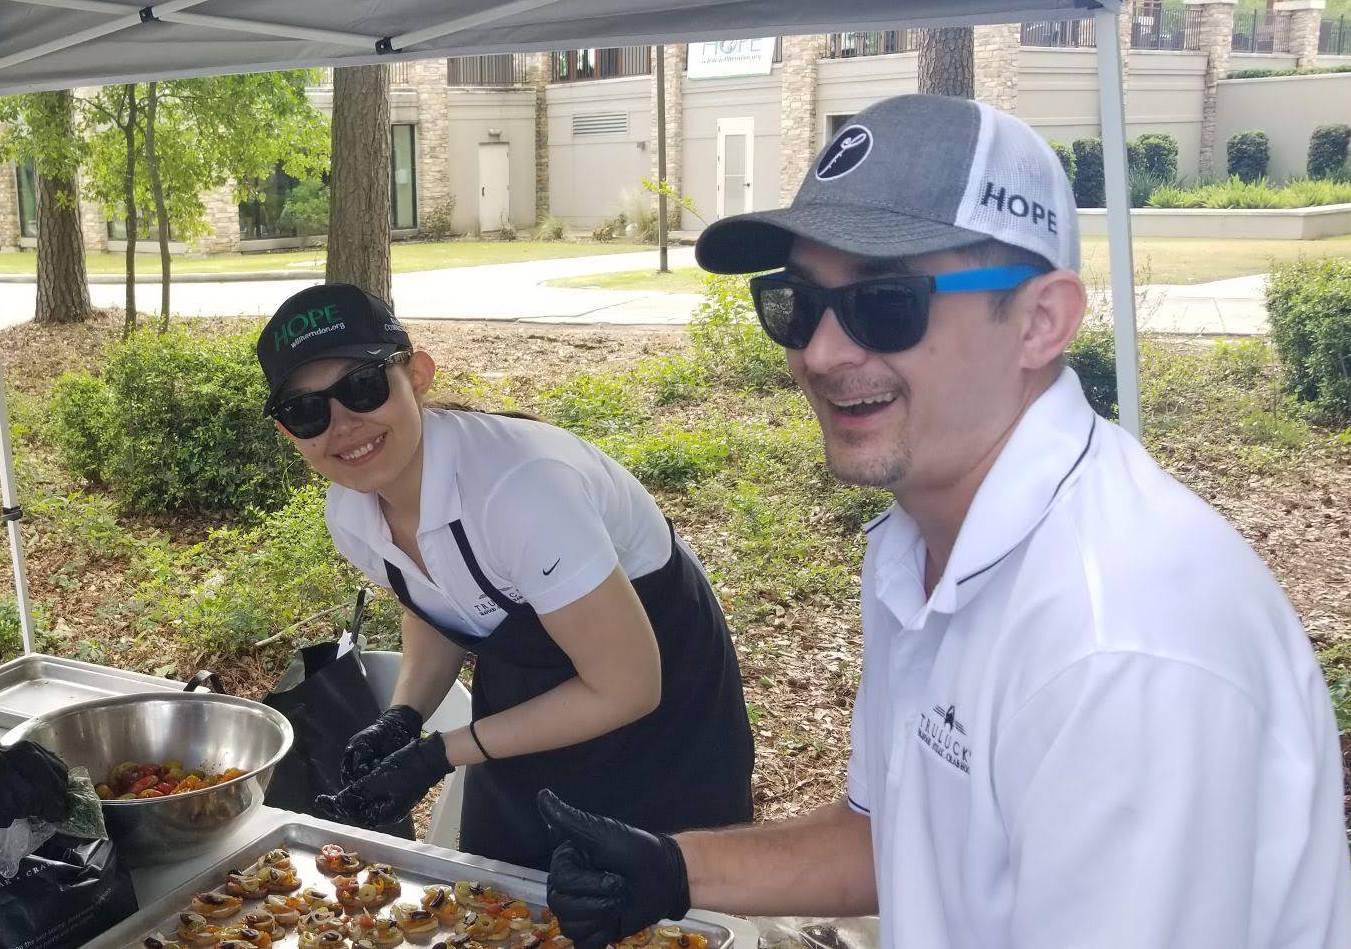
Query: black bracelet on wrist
point(474, 735)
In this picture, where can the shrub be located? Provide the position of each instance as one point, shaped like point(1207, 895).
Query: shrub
point(1155, 153)
point(1142, 184)
point(507, 231)
point(607, 230)
point(671, 458)
point(1066, 155)
point(80, 423)
point(435, 223)
point(550, 229)
point(592, 405)
point(673, 379)
point(1327, 150)
point(1089, 182)
point(1234, 193)
point(1249, 153)
point(306, 210)
point(1309, 304)
point(640, 217)
point(183, 426)
point(729, 344)
point(1092, 356)
point(11, 628)
point(243, 584)
point(1272, 73)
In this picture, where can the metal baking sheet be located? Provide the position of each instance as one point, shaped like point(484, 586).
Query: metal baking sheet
point(416, 864)
point(35, 684)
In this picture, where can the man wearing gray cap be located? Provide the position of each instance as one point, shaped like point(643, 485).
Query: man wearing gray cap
point(1087, 716)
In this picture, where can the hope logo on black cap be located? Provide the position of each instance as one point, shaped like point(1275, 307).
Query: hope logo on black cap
point(847, 152)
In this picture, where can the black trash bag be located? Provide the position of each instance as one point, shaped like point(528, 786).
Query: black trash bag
point(327, 700)
point(66, 892)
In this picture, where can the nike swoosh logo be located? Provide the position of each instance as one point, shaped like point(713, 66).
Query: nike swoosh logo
point(551, 569)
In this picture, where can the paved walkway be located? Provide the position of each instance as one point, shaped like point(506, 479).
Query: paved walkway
point(516, 292)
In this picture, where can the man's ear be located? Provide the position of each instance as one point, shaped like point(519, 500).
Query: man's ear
point(421, 372)
point(1055, 305)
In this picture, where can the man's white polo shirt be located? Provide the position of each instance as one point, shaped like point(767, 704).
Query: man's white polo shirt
point(1106, 726)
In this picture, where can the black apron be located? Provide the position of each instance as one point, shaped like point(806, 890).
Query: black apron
point(685, 765)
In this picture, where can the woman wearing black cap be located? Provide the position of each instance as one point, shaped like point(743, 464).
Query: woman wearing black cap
point(604, 667)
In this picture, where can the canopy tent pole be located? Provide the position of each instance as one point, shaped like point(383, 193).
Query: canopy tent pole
point(1111, 92)
point(10, 513)
point(134, 18)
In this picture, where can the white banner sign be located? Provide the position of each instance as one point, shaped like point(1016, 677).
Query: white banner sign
point(731, 58)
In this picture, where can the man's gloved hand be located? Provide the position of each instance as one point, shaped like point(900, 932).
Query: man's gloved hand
point(608, 880)
point(32, 784)
point(392, 790)
point(394, 728)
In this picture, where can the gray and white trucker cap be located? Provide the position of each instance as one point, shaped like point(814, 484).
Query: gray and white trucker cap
point(914, 175)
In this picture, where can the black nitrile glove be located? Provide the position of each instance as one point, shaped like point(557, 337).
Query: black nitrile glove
point(394, 788)
point(608, 880)
point(32, 784)
point(395, 727)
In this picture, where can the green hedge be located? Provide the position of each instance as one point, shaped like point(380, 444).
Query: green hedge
point(1089, 182)
point(175, 423)
point(1155, 154)
point(1092, 356)
point(1309, 305)
point(1273, 73)
point(1235, 193)
point(1249, 154)
point(1327, 150)
point(1066, 155)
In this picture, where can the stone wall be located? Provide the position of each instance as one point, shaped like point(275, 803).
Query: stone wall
point(797, 114)
point(996, 62)
point(428, 77)
point(222, 221)
point(1217, 40)
point(9, 207)
point(674, 66)
point(1297, 26)
point(93, 224)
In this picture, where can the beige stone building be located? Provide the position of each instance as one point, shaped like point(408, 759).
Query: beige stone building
point(512, 138)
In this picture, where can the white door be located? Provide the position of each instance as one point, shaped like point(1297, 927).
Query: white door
point(736, 162)
point(494, 179)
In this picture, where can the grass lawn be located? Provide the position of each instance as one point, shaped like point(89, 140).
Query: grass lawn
point(406, 256)
point(1172, 260)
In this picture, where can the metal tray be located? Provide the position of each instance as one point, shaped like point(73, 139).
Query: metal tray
point(36, 684)
point(416, 864)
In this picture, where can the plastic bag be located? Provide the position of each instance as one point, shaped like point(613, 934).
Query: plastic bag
point(84, 821)
point(798, 932)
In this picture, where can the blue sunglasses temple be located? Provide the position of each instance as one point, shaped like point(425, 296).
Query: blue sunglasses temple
point(986, 279)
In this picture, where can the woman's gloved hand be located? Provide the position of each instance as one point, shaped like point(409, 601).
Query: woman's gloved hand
point(393, 788)
point(32, 784)
point(394, 729)
point(608, 880)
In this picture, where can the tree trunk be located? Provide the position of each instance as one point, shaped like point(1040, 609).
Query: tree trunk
point(161, 213)
point(63, 285)
point(129, 196)
point(358, 230)
point(947, 62)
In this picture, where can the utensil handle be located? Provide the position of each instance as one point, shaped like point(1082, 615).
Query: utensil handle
point(208, 679)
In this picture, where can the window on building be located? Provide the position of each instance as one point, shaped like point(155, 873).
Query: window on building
point(258, 219)
point(836, 122)
point(402, 178)
point(28, 199)
point(146, 227)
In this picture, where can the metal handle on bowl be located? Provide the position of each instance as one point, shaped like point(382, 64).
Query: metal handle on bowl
point(208, 679)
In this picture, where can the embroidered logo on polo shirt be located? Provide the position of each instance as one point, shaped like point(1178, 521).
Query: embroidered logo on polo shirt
point(945, 736)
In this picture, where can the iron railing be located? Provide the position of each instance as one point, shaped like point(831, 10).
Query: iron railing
point(849, 45)
point(1255, 33)
point(1159, 27)
point(504, 69)
point(578, 65)
point(1061, 34)
point(400, 74)
point(1334, 37)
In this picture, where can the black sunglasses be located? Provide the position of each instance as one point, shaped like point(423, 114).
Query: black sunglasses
point(885, 315)
point(364, 389)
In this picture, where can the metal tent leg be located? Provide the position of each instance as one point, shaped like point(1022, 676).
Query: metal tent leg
point(9, 496)
point(1112, 96)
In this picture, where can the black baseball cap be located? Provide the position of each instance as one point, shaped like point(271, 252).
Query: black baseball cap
point(328, 321)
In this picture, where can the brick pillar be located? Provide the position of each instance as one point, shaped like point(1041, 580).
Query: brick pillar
point(1297, 25)
point(428, 78)
point(222, 221)
point(537, 75)
point(996, 53)
point(797, 111)
point(1217, 40)
point(9, 206)
point(94, 225)
point(1125, 31)
point(675, 127)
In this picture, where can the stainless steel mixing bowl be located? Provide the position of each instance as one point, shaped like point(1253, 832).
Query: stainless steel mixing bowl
point(201, 730)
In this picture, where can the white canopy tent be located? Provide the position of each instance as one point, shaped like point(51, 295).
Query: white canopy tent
point(58, 44)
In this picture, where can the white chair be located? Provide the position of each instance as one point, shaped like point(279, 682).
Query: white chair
point(382, 671)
